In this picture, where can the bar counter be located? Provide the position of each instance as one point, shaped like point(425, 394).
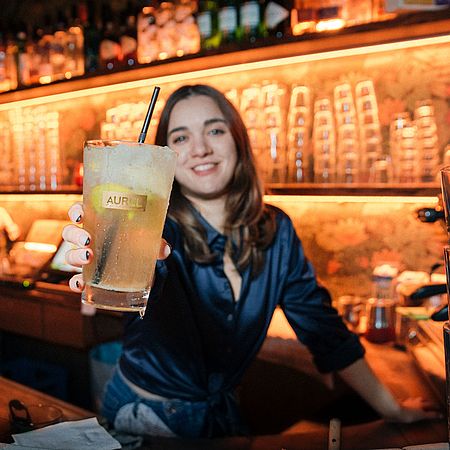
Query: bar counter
point(395, 367)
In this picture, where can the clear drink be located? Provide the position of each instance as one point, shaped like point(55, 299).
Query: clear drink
point(126, 190)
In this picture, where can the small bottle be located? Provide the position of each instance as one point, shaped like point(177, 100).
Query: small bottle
point(110, 50)
point(207, 20)
point(23, 60)
point(75, 42)
point(58, 48)
point(92, 36)
point(228, 21)
point(252, 21)
point(128, 37)
point(147, 34)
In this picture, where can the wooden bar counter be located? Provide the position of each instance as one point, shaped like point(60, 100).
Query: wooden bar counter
point(394, 366)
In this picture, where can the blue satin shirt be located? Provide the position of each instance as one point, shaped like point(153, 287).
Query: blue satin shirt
point(195, 341)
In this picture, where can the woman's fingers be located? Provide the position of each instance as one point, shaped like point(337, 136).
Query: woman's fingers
point(164, 250)
point(76, 235)
point(76, 213)
point(79, 257)
point(76, 283)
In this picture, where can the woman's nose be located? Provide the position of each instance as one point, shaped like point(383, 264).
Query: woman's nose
point(200, 147)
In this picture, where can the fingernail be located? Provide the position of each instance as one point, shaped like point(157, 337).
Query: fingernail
point(88, 241)
point(78, 219)
point(77, 284)
point(87, 255)
point(167, 250)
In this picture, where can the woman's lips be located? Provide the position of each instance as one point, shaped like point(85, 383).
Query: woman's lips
point(204, 169)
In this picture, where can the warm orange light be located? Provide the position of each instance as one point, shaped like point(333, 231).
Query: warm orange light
point(46, 79)
point(330, 25)
point(226, 70)
point(40, 247)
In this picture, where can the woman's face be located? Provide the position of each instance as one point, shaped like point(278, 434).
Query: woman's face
point(207, 154)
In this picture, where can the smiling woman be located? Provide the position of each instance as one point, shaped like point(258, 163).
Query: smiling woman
point(234, 260)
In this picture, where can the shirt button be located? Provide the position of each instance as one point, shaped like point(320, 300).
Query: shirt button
point(230, 317)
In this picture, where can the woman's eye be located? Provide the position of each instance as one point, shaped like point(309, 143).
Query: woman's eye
point(179, 139)
point(216, 131)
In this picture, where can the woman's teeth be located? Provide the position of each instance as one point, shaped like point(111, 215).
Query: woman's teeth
point(203, 167)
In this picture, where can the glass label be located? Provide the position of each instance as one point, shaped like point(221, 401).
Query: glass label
point(124, 200)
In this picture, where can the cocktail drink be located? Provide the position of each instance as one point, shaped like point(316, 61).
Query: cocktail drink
point(126, 190)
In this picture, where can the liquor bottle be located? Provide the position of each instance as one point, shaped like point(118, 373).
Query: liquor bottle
point(228, 21)
point(110, 50)
point(57, 54)
point(207, 20)
point(92, 35)
point(23, 60)
point(167, 32)
point(277, 18)
point(128, 37)
point(187, 28)
point(45, 48)
point(75, 42)
point(252, 21)
point(147, 34)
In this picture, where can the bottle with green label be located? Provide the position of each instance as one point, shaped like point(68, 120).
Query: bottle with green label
point(207, 21)
point(228, 20)
point(252, 21)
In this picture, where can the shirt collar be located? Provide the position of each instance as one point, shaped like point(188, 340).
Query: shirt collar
point(214, 238)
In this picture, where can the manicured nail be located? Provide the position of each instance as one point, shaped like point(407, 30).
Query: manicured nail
point(88, 241)
point(78, 219)
point(87, 255)
point(167, 250)
point(77, 284)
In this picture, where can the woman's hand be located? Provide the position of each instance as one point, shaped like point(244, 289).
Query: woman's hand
point(415, 409)
point(83, 254)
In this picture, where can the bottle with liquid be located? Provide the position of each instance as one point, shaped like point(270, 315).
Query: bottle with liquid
point(92, 36)
point(110, 49)
point(58, 46)
point(228, 21)
point(23, 60)
point(167, 31)
point(75, 43)
point(147, 33)
point(277, 18)
point(207, 20)
point(128, 36)
point(187, 28)
point(252, 21)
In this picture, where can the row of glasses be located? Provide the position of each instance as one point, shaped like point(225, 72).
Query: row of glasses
point(347, 155)
point(372, 161)
point(35, 143)
point(324, 141)
point(299, 155)
point(263, 108)
point(7, 166)
point(427, 140)
point(124, 122)
point(403, 149)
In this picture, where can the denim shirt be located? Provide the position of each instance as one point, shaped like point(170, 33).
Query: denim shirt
point(195, 340)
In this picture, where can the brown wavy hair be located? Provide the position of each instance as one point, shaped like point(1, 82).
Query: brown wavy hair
point(249, 224)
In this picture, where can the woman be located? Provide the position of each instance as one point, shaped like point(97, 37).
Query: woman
point(233, 260)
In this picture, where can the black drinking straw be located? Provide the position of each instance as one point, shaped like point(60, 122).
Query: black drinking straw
point(111, 232)
point(148, 116)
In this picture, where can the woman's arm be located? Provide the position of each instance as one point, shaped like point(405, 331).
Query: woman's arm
point(362, 379)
